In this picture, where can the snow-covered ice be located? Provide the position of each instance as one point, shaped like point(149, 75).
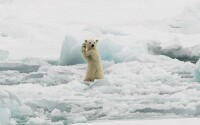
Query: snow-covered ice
point(188, 121)
point(148, 50)
point(149, 86)
point(38, 121)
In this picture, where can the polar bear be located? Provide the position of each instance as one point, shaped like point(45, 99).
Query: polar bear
point(92, 57)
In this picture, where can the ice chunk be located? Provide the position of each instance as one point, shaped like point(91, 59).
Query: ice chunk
point(5, 116)
point(191, 54)
point(3, 55)
point(10, 77)
point(14, 97)
point(25, 111)
point(56, 75)
point(71, 51)
point(110, 51)
point(34, 75)
point(34, 61)
point(197, 71)
point(6, 95)
point(23, 68)
point(100, 82)
point(9, 107)
point(50, 105)
point(76, 86)
point(39, 121)
point(56, 112)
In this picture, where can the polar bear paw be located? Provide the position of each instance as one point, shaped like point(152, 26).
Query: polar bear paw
point(83, 47)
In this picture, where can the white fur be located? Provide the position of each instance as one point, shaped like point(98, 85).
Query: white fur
point(92, 57)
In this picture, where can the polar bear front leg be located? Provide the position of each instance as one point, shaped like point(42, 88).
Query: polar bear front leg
point(93, 55)
point(83, 50)
point(90, 53)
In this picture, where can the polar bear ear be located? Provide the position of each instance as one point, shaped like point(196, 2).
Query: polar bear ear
point(97, 41)
point(85, 41)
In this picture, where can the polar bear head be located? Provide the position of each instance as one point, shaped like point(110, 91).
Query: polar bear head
point(91, 44)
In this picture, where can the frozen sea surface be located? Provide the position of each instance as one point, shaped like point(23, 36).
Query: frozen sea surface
point(188, 121)
point(136, 39)
point(149, 86)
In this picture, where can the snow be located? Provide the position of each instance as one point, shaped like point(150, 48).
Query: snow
point(148, 50)
point(122, 43)
point(38, 121)
point(189, 121)
point(150, 86)
point(186, 22)
point(40, 31)
point(3, 55)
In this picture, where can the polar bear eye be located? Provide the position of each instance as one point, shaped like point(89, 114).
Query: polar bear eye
point(89, 42)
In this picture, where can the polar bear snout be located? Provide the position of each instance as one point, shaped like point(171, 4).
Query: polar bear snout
point(92, 45)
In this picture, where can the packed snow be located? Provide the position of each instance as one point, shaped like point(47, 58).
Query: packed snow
point(148, 53)
point(188, 121)
point(150, 86)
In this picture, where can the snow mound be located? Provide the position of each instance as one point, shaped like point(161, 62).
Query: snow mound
point(3, 55)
